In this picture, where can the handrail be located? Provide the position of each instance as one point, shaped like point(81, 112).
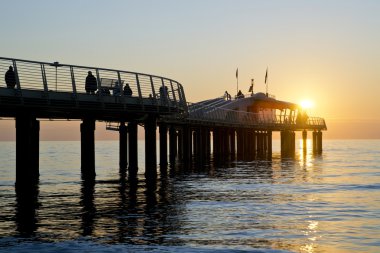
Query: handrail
point(57, 77)
point(233, 117)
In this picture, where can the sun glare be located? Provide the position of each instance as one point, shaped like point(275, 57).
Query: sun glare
point(306, 104)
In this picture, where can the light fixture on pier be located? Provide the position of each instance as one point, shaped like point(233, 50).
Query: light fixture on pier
point(56, 65)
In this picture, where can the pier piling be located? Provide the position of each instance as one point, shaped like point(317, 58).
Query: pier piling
point(27, 149)
point(123, 146)
point(163, 130)
point(304, 140)
point(150, 147)
point(173, 144)
point(132, 143)
point(87, 129)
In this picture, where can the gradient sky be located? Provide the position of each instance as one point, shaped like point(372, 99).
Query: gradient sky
point(324, 51)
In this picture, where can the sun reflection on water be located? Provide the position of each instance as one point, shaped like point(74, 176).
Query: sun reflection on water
point(305, 154)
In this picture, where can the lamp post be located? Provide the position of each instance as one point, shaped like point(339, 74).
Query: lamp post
point(56, 65)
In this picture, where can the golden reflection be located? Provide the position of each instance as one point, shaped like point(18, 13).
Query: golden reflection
point(305, 153)
point(311, 233)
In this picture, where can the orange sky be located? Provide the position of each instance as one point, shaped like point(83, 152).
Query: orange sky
point(324, 51)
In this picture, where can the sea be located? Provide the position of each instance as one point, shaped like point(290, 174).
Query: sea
point(327, 202)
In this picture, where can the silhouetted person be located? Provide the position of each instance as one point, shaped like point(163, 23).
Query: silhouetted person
point(116, 89)
point(91, 85)
point(163, 93)
point(226, 95)
point(240, 94)
point(127, 90)
point(10, 78)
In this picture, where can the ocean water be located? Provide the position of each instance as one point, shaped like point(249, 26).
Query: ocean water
point(310, 203)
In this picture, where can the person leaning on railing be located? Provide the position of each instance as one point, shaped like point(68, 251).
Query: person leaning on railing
point(10, 78)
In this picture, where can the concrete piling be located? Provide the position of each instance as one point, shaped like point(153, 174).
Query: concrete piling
point(163, 130)
point(27, 149)
point(123, 146)
point(87, 129)
point(150, 126)
point(132, 151)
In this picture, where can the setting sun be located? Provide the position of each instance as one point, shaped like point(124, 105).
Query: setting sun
point(306, 104)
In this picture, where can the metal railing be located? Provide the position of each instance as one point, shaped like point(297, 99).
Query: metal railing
point(56, 77)
point(233, 117)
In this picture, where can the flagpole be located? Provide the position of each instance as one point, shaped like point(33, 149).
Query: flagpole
point(266, 81)
point(237, 81)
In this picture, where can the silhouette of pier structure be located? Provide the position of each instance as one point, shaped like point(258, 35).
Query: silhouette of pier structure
point(238, 128)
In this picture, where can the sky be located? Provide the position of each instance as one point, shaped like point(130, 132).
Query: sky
point(324, 51)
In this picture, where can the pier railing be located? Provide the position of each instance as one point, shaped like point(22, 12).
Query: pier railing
point(64, 78)
point(204, 113)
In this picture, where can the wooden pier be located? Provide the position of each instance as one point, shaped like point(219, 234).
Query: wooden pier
point(238, 128)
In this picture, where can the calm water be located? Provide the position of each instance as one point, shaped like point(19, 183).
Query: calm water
point(327, 203)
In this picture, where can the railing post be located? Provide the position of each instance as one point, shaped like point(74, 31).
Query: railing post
point(120, 84)
point(73, 80)
point(175, 99)
point(153, 91)
point(44, 81)
point(98, 82)
point(139, 89)
point(18, 85)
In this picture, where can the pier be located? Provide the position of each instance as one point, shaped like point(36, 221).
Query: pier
point(239, 128)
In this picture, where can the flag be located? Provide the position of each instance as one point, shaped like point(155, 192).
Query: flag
point(266, 76)
point(237, 73)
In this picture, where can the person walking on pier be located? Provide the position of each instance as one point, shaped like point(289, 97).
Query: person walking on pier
point(91, 85)
point(10, 78)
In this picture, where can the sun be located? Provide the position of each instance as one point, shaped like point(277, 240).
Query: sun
point(306, 104)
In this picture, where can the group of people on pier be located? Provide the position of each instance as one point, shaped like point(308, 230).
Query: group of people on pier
point(91, 87)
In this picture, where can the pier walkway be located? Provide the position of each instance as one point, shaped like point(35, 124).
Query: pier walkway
point(125, 99)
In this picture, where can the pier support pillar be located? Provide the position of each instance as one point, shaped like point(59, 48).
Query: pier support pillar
point(205, 134)
point(123, 146)
point(208, 141)
point(180, 144)
point(232, 143)
point(132, 143)
point(87, 128)
point(269, 134)
point(260, 144)
point(27, 149)
point(254, 143)
point(317, 142)
point(304, 140)
point(248, 154)
point(215, 142)
point(287, 143)
point(194, 139)
point(226, 142)
point(186, 142)
point(150, 147)
point(163, 129)
point(172, 144)
point(240, 143)
point(199, 143)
